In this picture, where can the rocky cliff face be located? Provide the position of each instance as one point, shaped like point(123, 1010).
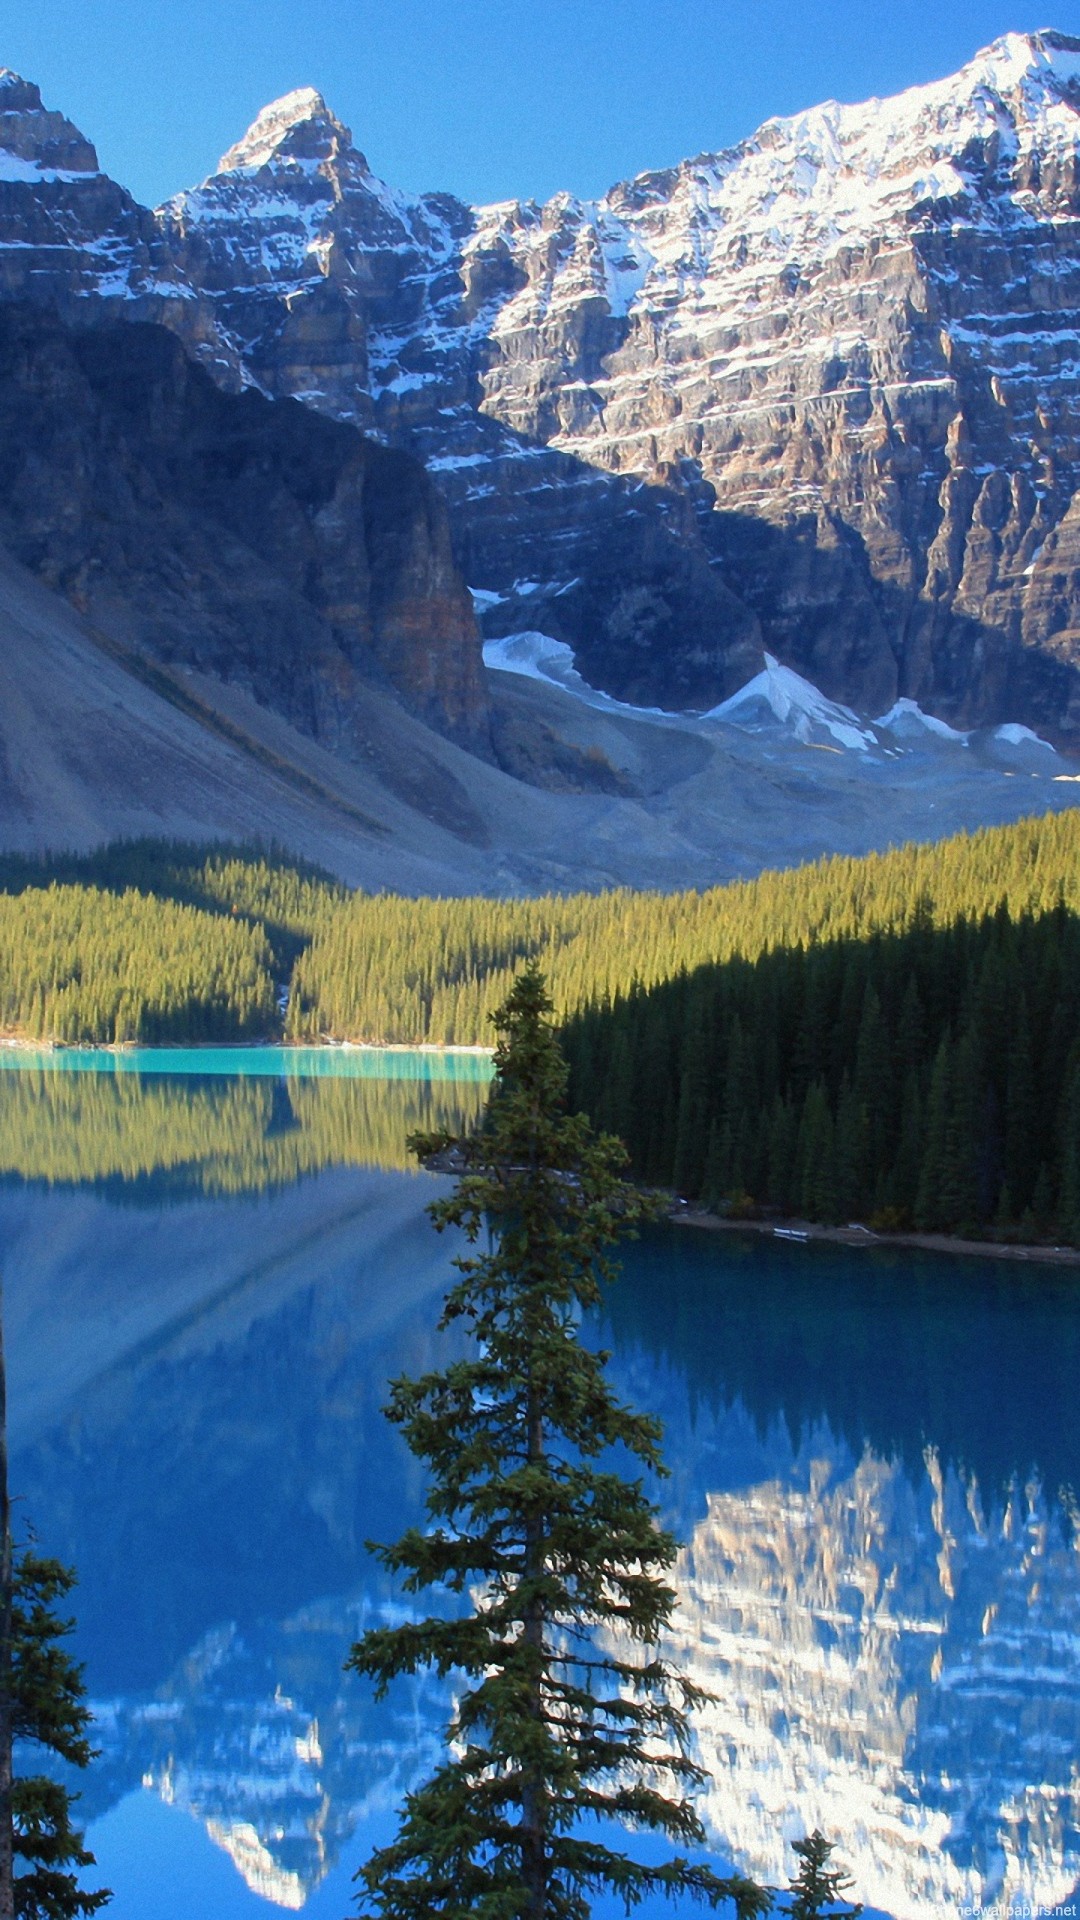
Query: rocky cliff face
point(378, 307)
point(818, 394)
point(256, 542)
point(832, 373)
point(72, 239)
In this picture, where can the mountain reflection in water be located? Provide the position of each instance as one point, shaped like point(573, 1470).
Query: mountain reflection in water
point(871, 1454)
point(874, 1459)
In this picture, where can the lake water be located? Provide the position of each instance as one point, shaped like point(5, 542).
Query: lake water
point(213, 1263)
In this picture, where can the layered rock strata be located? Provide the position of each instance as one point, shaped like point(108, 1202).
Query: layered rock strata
point(73, 240)
point(818, 394)
point(847, 346)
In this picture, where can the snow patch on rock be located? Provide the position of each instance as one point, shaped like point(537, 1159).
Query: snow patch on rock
point(778, 695)
point(906, 719)
point(1017, 736)
point(16, 171)
point(260, 144)
point(537, 656)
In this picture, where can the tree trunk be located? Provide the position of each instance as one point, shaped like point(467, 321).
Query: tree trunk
point(7, 1861)
point(534, 1866)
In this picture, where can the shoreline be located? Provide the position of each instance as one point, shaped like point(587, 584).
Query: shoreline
point(802, 1232)
point(793, 1232)
point(20, 1043)
point(383, 1046)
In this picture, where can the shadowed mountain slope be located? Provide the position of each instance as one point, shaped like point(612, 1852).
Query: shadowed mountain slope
point(99, 742)
point(255, 541)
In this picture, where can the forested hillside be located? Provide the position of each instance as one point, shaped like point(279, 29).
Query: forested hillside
point(265, 886)
point(160, 942)
point(384, 968)
point(78, 964)
point(153, 941)
point(928, 1078)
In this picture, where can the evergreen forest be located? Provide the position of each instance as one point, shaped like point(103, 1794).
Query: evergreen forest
point(380, 967)
point(78, 964)
point(154, 942)
point(927, 1077)
point(893, 1037)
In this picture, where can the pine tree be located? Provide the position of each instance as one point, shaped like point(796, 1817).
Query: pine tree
point(782, 1146)
point(929, 1201)
point(42, 1704)
point(816, 1156)
point(50, 1711)
point(566, 1711)
point(1069, 1204)
point(903, 1181)
point(1021, 1111)
point(818, 1889)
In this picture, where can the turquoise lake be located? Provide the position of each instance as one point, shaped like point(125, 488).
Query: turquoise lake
point(214, 1260)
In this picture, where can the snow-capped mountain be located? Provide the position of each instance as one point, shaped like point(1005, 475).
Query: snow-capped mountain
point(302, 251)
point(72, 239)
point(817, 395)
point(850, 341)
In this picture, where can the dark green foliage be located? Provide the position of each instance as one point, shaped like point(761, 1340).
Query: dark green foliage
point(926, 1078)
point(49, 1712)
point(565, 1708)
point(817, 1892)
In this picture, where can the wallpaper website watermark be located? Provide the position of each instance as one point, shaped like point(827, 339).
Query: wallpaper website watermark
point(1017, 1910)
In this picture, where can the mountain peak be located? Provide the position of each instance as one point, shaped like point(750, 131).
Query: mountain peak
point(32, 137)
point(1007, 62)
point(299, 126)
point(18, 95)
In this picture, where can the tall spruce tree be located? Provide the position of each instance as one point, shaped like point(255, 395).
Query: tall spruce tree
point(42, 1706)
point(566, 1713)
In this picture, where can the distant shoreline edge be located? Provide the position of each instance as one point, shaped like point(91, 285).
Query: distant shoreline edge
point(21, 1043)
point(802, 1232)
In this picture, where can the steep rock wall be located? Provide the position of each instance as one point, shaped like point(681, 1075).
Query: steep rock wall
point(817, 394)
point(257, 542)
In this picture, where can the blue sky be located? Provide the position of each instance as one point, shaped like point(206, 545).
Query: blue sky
point(486, 98)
